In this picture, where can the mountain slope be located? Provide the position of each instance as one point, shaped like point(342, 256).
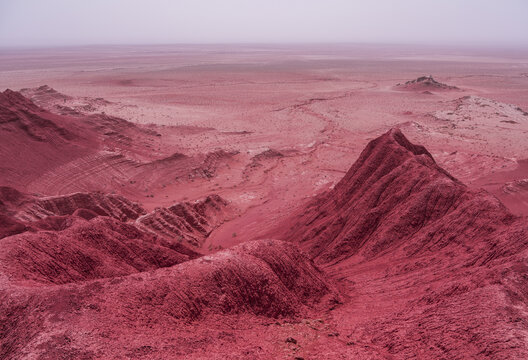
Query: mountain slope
point(394, 198)
point(34, 140)
point(430, 268)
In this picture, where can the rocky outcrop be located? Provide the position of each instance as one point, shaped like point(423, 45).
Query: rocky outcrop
point(425, 83)
point(187, 222)
point(101, 204)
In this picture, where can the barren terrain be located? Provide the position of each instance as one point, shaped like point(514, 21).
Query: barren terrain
point(300, 202)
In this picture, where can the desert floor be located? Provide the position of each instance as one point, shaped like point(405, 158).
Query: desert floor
point(318, 106)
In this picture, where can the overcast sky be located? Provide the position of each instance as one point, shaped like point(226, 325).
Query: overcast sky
point(80, 22)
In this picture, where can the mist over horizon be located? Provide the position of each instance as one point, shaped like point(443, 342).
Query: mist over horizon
point(30, 23)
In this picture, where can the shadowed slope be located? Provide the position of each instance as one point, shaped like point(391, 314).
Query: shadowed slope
point(34, 140)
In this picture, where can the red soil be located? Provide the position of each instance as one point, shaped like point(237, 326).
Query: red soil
point(104, 221)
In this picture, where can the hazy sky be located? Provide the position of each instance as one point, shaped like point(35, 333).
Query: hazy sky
point(79, 22)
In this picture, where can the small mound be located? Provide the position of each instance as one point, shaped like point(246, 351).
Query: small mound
point(267, 154)
point(425, 84)
point(50, 99)
point(174, 157)
point(44, 95)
